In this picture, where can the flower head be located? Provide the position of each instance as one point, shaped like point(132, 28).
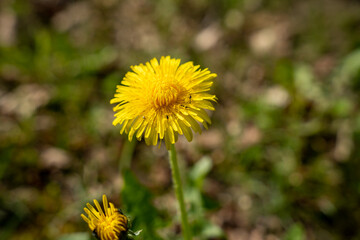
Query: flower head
point(109, 224)
point(160, 100)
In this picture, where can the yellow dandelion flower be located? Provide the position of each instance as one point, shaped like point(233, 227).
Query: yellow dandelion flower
point(109, 224)
point(161, 100)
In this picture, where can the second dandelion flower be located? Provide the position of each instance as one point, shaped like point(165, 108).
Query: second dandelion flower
point(108, 223)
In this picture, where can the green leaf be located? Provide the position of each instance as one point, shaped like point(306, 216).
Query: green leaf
point(200, 170)
point(137, 200)
point(200, 225)
point(296, 232)
point(351, 64)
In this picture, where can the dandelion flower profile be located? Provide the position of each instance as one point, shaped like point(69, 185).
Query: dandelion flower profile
point(161, 100)
point(109, 224)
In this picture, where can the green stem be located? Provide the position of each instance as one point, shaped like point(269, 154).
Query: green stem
point(179, 193)
point(126, 156)
point(125, 160)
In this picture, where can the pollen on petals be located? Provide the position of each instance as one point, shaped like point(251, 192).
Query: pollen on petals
point(160, 100)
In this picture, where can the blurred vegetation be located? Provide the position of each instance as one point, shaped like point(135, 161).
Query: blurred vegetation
point(280, 161)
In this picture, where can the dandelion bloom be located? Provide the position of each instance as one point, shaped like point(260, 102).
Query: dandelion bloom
point(160, 100)
point(109, 224)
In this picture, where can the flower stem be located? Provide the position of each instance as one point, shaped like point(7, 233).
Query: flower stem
point(126, 156)
point(179, 192)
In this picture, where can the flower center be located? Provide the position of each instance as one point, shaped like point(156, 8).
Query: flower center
point(165, 95)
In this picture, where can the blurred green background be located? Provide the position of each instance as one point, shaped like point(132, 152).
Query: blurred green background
point(280, 161)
